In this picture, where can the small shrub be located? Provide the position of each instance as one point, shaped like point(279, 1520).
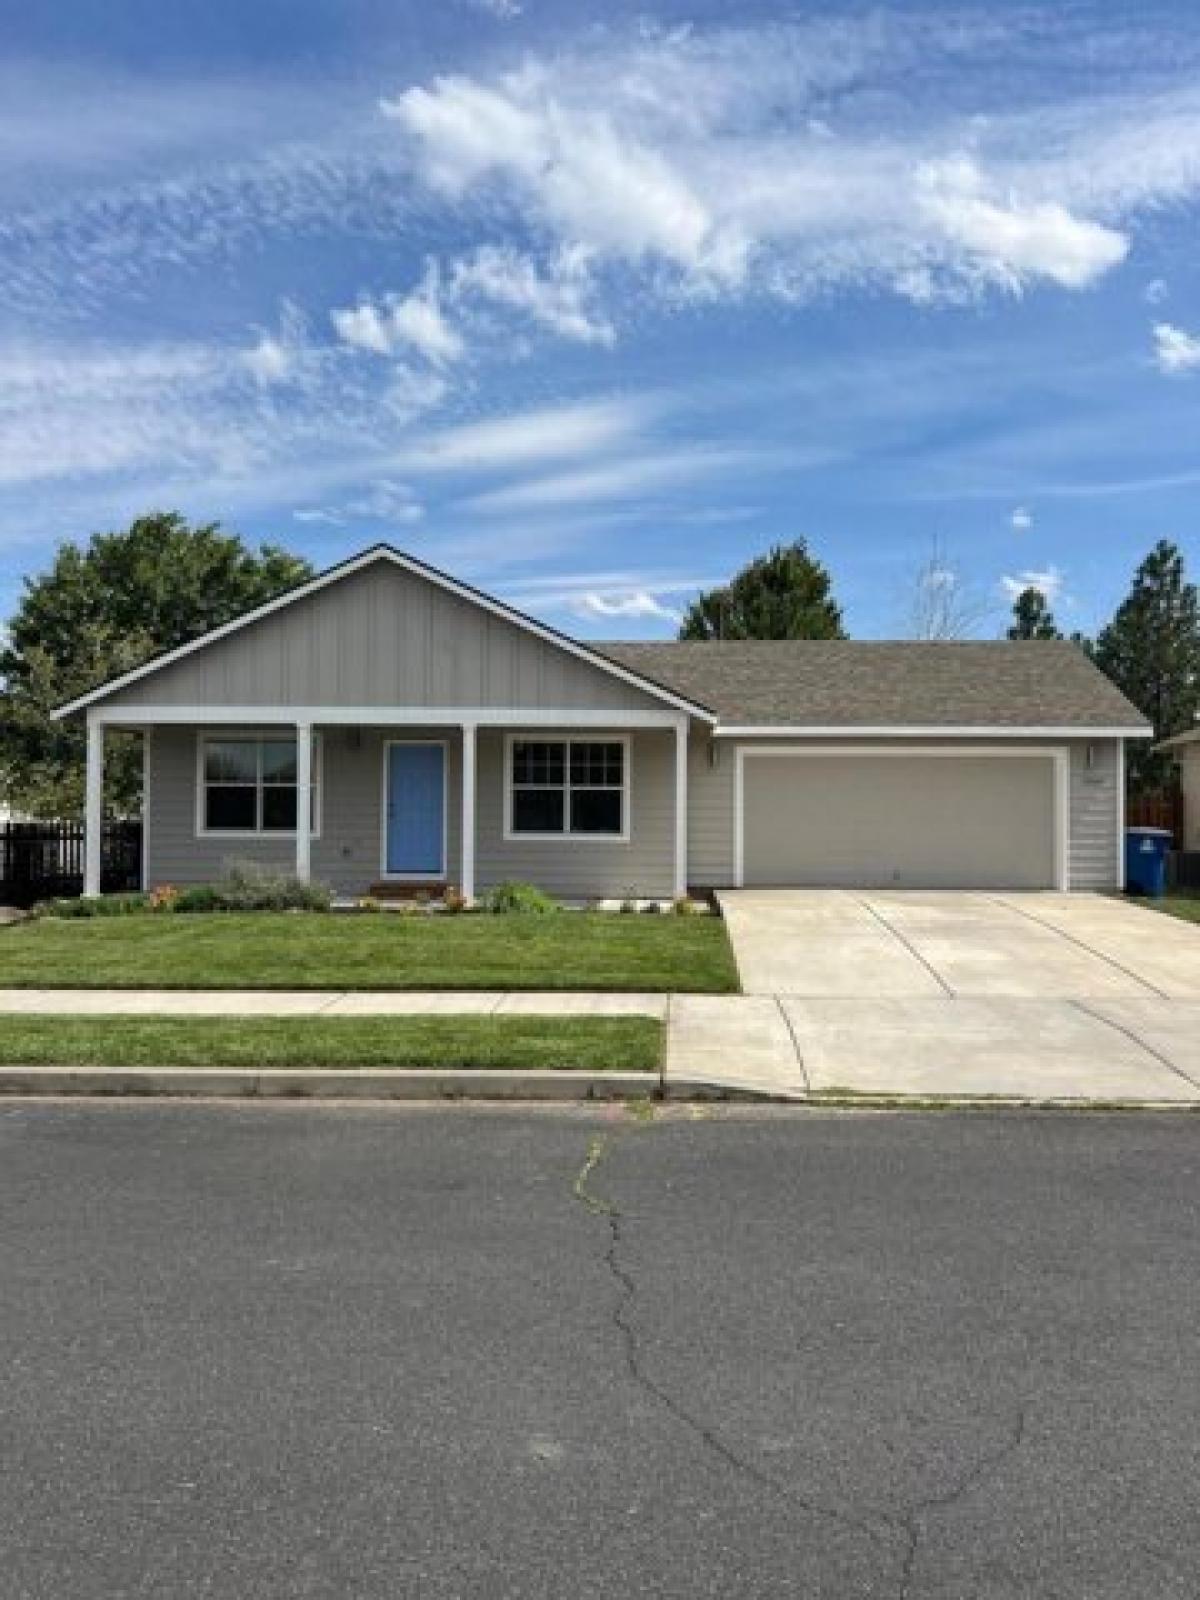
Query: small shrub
point(518, 899)
point(629, 904)
point(368, 902)
point(200, 897)
point(101, 905)
point(163, 897)
point(454, 901)
point(684, 906)
point(652, 908)
point(250, 886)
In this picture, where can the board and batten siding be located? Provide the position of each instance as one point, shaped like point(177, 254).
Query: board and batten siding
point(1094, 808)
point(346, 855)
point(385, 637)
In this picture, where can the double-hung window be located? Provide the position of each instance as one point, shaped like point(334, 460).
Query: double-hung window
point(248, 784)
point(576, 788)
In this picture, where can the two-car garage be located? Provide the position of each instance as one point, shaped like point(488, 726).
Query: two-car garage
point(937, 817)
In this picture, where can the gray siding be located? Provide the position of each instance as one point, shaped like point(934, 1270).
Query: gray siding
point(581, 868)
point(348, 853)
point(384, 637)
point(1094, 811)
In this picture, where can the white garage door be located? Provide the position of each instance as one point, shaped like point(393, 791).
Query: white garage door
point(919, 821)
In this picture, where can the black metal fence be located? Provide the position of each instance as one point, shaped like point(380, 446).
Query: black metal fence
point(43, 860)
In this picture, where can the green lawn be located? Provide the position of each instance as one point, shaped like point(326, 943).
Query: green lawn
point(312, 950)
point(571, 1044)
point(1181, 904)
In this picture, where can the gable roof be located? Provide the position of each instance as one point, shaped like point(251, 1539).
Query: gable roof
point(637, 677)
point(810, 684)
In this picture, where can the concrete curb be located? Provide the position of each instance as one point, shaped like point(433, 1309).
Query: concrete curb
point(344, 1084)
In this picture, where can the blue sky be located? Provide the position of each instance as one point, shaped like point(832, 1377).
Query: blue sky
point(591, 302)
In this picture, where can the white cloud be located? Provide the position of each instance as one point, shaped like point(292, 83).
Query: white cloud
point(615, 480)
point(1156, 291)
point(632, 604)
point(531, 436)
point(1021, 519)
point(278, 357)
point(385, 501)
point(415, 321)
point(504, 10)
point(1048, 582)
point(1175, 350)
point(555, 297)
point(788, 160)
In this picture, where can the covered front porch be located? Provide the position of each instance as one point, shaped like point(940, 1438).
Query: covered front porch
point(585, 804)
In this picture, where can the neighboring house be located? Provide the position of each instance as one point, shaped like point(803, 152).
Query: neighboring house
point(1185, 748)
point(435, 735)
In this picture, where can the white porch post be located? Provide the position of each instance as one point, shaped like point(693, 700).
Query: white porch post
point(470, 735)
point(681, 806)
point(304, 801)
point(93, 806)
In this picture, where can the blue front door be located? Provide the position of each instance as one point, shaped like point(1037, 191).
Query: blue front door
point(416, 810)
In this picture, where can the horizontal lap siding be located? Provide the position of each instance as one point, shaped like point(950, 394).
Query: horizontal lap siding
point(1093, 803)
point(583, 868)
point(346, 856)
point(383, 637)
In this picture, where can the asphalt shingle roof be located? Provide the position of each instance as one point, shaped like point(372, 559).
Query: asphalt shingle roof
point(866, 683)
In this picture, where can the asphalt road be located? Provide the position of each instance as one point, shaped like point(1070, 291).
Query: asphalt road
point(294, 1351)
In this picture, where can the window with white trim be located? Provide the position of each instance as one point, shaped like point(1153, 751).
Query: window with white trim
point(572, 787)
point(248, 784)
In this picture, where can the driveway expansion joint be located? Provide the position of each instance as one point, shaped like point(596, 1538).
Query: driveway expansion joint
point(902, 939)
point(1081, 944)
point(1135, 1038)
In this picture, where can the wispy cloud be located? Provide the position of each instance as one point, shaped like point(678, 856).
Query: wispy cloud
point(415, 321)
point(1176, 351)
point(1048, 581)
point(1021, 520)
point(625, 479)
point(532, 436)
point(798, 158)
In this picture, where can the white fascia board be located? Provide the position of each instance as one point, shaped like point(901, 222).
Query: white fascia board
point(219, 716)
point(418, 569)
point(853, 731)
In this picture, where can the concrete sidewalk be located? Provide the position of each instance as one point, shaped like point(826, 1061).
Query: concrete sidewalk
point(324, 1003)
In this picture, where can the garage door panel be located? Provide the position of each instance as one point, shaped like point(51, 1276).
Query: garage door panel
point(876, 821)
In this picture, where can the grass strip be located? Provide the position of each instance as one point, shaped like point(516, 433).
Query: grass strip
point(567, 1044)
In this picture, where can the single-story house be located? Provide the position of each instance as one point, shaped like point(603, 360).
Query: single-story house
point(1185, 749)
point(431, 734)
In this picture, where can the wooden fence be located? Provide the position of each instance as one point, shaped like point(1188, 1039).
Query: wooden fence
point(43, 860)
point(1161, 810)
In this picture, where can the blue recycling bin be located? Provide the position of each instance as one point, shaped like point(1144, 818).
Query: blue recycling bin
point(1146, 852)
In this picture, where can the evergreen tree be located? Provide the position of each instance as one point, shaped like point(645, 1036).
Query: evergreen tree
point(1032, 617)
point(786, 594)
point(1151, 651)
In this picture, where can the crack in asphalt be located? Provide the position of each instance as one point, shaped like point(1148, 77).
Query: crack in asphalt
point(906, 1525)
point(627, 1295)
point(911, 1520)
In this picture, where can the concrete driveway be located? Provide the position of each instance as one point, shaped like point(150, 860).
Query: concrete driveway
point(1039, 996)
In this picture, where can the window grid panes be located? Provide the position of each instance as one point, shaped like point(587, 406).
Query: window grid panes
point(568, 786)
point(249, 786)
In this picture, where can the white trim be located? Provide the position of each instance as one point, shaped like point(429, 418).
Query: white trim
point(231, 716)
point(412, 877)
point(566, 835)
point(93, 808)
point(924, 731)
point(1058, 754)
point(273, 732)
point(417, 569)
point(1121, 816)
point(469, 821)
point(681, 808)
point(304, 799)
point(146, 733)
